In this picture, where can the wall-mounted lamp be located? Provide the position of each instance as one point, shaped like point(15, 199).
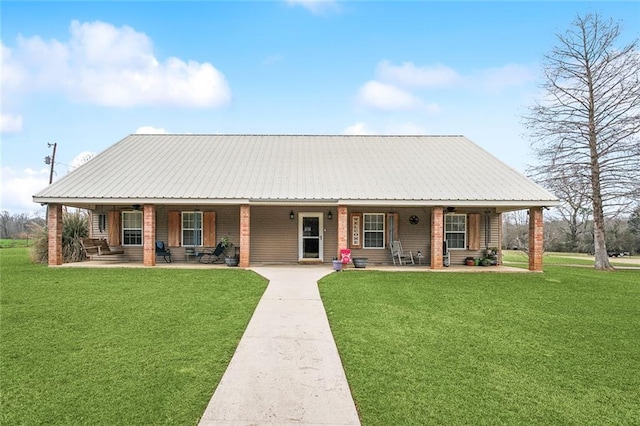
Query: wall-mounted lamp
point(329, 215)
point(292, 215)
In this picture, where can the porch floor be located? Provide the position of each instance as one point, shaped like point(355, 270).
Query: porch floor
point(370, 267)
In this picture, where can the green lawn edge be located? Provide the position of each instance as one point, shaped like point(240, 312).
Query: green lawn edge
point(116, 346)
point(559, 347)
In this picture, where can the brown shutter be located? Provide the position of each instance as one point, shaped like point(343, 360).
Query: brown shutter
point(355, 230)
point(175, 229)
point(392, 228)
point(209, 229)
point(473, 231)
point(114, 227)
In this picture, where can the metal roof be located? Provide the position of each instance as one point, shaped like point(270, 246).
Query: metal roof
point(323, 169)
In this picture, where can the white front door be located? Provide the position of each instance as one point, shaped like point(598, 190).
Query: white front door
point(310, 236)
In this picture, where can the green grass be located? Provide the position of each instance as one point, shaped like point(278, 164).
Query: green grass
point(520, 259)
point(562, 347)
point(10, 243)
point(116, 346)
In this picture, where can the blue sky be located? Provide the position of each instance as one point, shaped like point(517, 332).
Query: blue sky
point(86, 74)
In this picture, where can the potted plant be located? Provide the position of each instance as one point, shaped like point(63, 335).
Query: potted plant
point(229, 259)
point(470, 261)
point(337, 264)
point(360, 262)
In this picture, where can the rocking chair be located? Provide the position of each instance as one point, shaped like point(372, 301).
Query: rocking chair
point(161, 250)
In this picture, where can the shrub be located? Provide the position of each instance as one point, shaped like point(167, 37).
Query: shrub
point(75, 226)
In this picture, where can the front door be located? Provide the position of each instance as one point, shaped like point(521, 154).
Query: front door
point(310, 236)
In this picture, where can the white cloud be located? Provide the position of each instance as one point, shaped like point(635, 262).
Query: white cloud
point(510, 75)
point(317, 7)
point(81, 159)
point(18, 187)
point(406, 128)
point(10, 123)
point(150, 130)
point(358, 129)
point(409, 75)
point(112, 66)
point(388, 97)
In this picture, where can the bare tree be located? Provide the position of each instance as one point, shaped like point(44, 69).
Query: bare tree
point(588, 120)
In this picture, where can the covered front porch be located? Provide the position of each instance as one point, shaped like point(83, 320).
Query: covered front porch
point(300, 234)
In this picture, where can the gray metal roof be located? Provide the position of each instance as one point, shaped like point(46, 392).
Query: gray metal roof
point(386, 170)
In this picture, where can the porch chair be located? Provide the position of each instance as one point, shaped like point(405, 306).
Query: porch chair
point(161, 250)
point(212, 256)
point(398, 254)
point(446, 254)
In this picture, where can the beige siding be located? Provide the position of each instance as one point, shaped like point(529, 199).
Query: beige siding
point(414, 238)
point(274, 236)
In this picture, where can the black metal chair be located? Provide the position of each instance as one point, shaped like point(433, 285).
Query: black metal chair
point(161, 250)
point(212, 256)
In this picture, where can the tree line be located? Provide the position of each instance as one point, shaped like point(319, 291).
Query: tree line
point(575, 233)
point(18, 226)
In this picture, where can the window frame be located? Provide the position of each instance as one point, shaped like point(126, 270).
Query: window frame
point(125, 228)
point(377, 231)
point(183, 228)
point(464, 232)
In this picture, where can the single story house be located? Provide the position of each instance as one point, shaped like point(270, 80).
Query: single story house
point(297, 198)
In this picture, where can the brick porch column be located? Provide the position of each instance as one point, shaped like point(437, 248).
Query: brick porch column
point(437, 236)
point(343, 229)
point(149, 234)
point(536, 238)
point(54, 221)
point(245, 236)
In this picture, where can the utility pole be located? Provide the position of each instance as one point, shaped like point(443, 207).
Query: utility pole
point(51, 160)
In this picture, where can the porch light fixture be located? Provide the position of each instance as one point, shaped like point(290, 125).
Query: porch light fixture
point(329, 215)
point(292, 215)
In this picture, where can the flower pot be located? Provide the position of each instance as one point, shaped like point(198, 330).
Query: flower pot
point(470, 262)
point(360, 262)
point(337, 265)
point(231, 260)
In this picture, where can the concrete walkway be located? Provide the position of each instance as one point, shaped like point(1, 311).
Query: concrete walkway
point(286, 369)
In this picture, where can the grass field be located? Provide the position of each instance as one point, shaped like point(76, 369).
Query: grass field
point(520, 259)
point(116, 346)
point(562, 347)
point(9, 243)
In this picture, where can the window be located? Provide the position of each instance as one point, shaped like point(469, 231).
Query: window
point(373, 230)
point(132, 228)
point(102, 222)
point(191, 228)
point(455, 231)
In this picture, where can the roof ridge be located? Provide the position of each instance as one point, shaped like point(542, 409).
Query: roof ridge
point(292, 134)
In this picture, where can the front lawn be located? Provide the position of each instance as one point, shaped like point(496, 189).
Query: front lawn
point(562, 347)
point(116, 346)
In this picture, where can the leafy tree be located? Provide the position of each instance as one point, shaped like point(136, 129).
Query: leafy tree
point(585, 128)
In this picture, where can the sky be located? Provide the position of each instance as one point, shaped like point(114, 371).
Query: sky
point(84, 75)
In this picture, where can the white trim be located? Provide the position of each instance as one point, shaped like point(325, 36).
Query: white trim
point(320, 217)
point(182, 228)
point(383, 231)
point(122, 221)
point(465, 233)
